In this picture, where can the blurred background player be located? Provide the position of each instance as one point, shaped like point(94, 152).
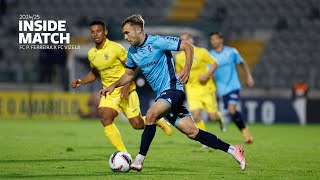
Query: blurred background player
point(227, 80)
point(107, 60)
point(200, 88)
point(152, 54)
point(93, 105)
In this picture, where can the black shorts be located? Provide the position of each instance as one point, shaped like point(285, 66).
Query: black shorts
point(231, 98)
point(175, 99)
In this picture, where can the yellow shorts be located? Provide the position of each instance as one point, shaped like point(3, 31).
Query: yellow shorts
point(130, 106)
point(205, 101)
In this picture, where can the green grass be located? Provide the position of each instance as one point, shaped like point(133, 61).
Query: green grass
point(79, 150)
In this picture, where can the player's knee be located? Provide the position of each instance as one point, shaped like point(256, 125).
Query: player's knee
point(192, 133)
point(106, 121)
point(106, 117)
point(151, 116)
point(232, 111)
point(136, 123)
point(196, 118)
point(214, 116)
point(137, 126)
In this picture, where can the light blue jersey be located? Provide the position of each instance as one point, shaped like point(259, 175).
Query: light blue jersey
point(155, 60)
point(226, 76)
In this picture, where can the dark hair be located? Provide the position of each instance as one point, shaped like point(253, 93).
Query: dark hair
point(134, 20)
point(98, 22)
point(217, 33)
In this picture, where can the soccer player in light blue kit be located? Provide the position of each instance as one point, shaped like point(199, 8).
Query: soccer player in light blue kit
point(152, 54)
point(227, 79)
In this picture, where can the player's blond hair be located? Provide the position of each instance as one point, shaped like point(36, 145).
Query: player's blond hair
point(134, 20)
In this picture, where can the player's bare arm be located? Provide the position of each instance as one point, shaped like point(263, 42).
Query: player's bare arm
point(126, 78)
point(125, 90)
point(90, 77)
point(246, 69)
point(185, 72)
point(205, 77)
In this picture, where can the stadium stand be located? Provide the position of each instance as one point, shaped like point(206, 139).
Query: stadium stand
point(292, 50)
point(78, 14)
point(193, 7)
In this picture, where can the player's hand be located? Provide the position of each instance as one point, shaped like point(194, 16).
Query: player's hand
point(124, 91)
point(204, 78)
point(184, 76)
point(76, 83)
point(250, 82)
point(109, 90)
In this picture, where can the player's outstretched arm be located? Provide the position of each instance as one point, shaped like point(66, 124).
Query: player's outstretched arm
point(185, 72)
point(126, 78)
point(204, 78)
point(246, 69)
point(90, 77)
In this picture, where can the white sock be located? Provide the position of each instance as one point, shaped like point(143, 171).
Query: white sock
point(232, 150)
point(140, 157)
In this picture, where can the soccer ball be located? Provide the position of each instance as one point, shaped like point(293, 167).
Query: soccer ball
point(120, 162)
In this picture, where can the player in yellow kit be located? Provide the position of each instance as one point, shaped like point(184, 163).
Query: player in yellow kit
point(107, 60)
point(200, 88)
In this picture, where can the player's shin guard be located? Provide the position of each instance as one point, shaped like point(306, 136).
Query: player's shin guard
point(237, 119)
point(211, 140)
point(146, 139)
point(144, 120)
point(161, 123)
point(114, 136)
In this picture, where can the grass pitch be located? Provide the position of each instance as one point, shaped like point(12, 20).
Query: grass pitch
point(79, 150)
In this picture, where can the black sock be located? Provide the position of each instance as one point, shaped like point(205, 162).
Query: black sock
point(146, 139)
point(237, 118)
point(211, 140)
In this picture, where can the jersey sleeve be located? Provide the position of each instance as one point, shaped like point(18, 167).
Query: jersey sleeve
point(130, 64)
point(237, 57)
point(90, 57)
point(169, 43)
point(122, 53)
point(211, 53)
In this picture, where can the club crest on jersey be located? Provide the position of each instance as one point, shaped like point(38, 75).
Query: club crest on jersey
point(150, 47)
point(106, 56)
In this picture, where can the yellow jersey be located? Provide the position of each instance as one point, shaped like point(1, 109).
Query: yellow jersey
point(109, 62)
point(199, 67)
